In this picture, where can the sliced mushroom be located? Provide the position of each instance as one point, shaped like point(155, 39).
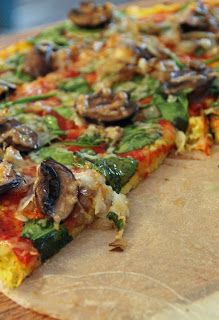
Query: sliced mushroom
point(91, 16)
point(39, 61)
point(106, 106)
point(7, 124)
point(6, 88)
point(127, 72)
point(199, 19)
point(143, 51)
point(9, 179)
point(13, 133)
point(195, 77)
point(56, 190)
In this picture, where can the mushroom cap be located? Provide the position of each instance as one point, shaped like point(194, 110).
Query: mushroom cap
point(20, 136)
point(106, 106)
point(9, 179)
point(56, 190)
point(91, 16)
point(39, 61)
point(6, 88)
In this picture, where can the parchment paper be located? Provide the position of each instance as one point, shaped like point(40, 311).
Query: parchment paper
point(170, 269)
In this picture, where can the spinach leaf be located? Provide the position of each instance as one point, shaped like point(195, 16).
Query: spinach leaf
point(138, 136)
point(52, 34)
point(45, 237)
point(88, 140)
point(173, 109)
point(14, 68)
point(52, 124)
point(116, 170)
point(139, 87)
point(119, 223)
point(76, 84)
point(57, 153)
point(65, 112)
point(57, 34)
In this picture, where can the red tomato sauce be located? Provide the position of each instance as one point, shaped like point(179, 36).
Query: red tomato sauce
point(74, 133)
point(11, 228)
point(25, 251)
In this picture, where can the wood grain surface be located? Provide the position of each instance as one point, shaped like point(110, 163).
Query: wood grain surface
point(8, 309)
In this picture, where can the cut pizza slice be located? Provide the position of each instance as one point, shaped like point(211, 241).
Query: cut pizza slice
point(37, 221)
point(50, 205)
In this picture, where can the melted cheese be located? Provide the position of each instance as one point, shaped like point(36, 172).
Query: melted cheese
point(94, 181)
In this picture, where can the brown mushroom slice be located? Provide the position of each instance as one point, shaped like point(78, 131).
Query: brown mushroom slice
point(193, 78)
point(6, 88)
point(39, 61)
point(106, 106)
point(56, 190)
point(20, 136)
point(7, 124)
point(9, 179)
point(148, 48)
point(91, 16)
point(199, 19)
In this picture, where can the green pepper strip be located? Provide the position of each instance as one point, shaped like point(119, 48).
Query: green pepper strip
point(179, 63)
point(27, 99)
point(212, 60)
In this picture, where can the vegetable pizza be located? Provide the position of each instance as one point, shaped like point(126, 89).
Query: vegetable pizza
point(90, 107)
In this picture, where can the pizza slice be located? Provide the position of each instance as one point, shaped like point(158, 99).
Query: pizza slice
point(50, 204)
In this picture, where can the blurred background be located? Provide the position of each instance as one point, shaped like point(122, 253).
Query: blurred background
point(18, 15)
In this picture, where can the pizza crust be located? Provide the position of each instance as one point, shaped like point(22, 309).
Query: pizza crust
point(169, 268)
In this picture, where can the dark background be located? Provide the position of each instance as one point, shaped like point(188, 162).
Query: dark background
point(18, 15)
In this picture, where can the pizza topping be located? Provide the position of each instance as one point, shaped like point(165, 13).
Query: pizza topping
point(56, 190)
point(46, 238)
point(91, 16)
point(39, 61)
point(116, 170)
point(137, 136)
point(199, 19)
point(20, 136)
point(13, 156)
point(190, 78)
point(9, 179)
point(6, 88)
point(95, 183)
point(106, 106)
point(118, 214)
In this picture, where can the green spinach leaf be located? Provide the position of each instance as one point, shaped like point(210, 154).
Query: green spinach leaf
point(138, 136)
point(173, 109)
point(52, 124)
point(116, 170)
point(139, 87)
point(119, 223)
point(88, 140)
point(65, 112)
point(55, 152)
